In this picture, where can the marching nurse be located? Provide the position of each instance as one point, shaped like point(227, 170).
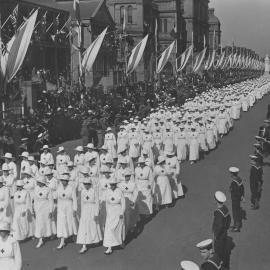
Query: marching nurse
point(115, 209)
point(66, 210)
point(10, 255)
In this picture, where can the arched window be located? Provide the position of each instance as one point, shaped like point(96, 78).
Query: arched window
point(165, 26)
point(129, 14)
point(122, 14)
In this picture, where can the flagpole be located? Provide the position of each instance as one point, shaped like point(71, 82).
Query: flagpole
point(156, 55)
point(3, 103)
point(125, 46)
point(192, 42)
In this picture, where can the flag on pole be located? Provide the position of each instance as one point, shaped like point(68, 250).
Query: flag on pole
point(136, 55)
point(91, 53)
point(18, 49)
point(76, 8)
point(14, 17)
point(164, 57)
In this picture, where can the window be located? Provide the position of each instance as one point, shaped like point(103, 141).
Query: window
point(129, 14)
point(165, 26)
point(122, 14)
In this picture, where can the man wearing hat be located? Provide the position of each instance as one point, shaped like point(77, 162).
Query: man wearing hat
point(221, 224)
point(237, 195)
point(255, 178)
point(211, 259)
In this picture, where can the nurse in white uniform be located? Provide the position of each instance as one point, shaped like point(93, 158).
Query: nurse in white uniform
point(10, 255)
point(114, 225)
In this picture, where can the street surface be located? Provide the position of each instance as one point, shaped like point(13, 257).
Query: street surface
point(171, 236)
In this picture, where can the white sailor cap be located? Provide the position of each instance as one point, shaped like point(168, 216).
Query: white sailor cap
point(234, 170)
point(220, 197)
point(189, 265)
point(205, 244)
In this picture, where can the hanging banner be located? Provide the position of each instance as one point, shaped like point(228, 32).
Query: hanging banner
point(136, 55)
point(199, 60)
point(91, 53)
point(19, 47)
point(165, 57)
point(184, 58)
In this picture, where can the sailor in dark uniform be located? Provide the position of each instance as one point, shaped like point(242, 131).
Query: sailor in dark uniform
point(237, 195)
point(221, 224)
point(264, 132)
point(255, 178)
point(258, 151)
point(211, 259)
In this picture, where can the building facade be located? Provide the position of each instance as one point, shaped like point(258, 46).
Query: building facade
point(195, 13)
point(171, 27)
point(214, 30)
point(134, 19)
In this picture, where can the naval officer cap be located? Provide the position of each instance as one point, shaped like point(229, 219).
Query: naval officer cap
point(205, 244)
point(189, 265)
point(220, 197)
point(234, 170)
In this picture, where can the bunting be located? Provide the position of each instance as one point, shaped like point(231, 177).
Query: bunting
point(136, 55)
point(164, 58)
